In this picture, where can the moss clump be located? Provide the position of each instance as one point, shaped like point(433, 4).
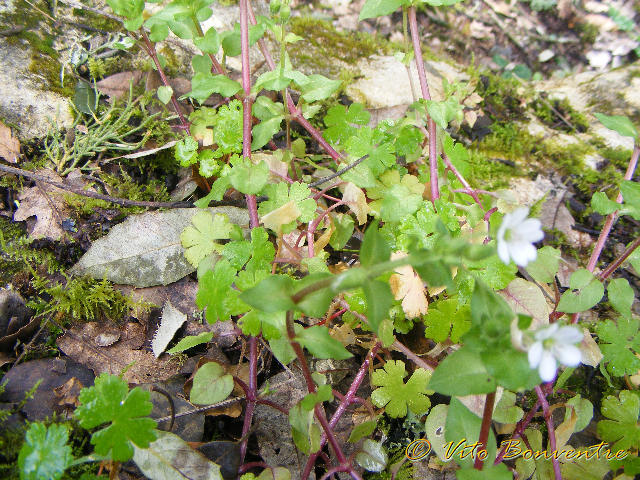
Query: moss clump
point(503, 101)
point(556, 113)
point(83, 299)
point(326, 49)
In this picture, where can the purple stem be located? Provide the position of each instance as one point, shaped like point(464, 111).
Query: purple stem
point(618, 261)
point(253, 216)
point(485, 427)
point(342, 407)
point(424, 87)
point(550, 430)
point(467, 188)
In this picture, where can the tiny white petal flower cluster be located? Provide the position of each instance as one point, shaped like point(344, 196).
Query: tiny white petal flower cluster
point(554, 344)
point(516, 237)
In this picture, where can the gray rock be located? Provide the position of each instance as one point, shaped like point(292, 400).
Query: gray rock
point(23, 102)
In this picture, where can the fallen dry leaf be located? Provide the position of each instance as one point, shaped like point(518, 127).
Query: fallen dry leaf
point(140, 365)
point(9, 145)
point(117, 85)
point(46, 203)
point(356, 201)
point(406, 285)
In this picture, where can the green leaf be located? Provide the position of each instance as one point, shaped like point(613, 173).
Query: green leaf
point(131, 10)
point(186, 151)
point(322, 394)
point(601, 204)
point(199, 239)
point(618, 123)
point(248, 177)
point(374, 248)
point(281, 194)
point(440, 3)
point(395, 395)
point(45, 453)
point(215, 292)
point(622, 428)
point(619, 342)
point(585, 292)
point(191, 341)
point(583, 409)
point(264, 131)
point(210, 385)
point(372, 456)
point(631, 194)
point(621, 295)
point(317, 340)
point(203, 85)
point(305, 433)
point(464, 425)
point(318, 87)
point(273, 294)
point(378, 8)
point(545, 266)
point(344, 226)
point(506, 410)
point(462, 373)
point(210, 43)
point(510, 369)
point(379, 301)
point(231, 39)
point(85, 98)
point(317, 303)
point(494, 472)
point(164, 94)
point(110, 401)
point(445, 111)
point(363, 429)
point(446, 318)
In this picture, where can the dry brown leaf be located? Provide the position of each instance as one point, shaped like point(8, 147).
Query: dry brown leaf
point(406, 285)
point(356, 200)
point(46, 203)
point(117, 85)
point(140, 365)
point(9, 145)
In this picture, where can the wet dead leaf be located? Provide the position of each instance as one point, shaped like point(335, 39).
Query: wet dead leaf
point(140, 365)
point(9, 145)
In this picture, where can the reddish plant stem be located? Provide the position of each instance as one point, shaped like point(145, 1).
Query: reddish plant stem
point(311, 386)
point(253, 216)
point(618, 261)
point(551, 431)
point(151, 51)
point(608, 224)
point(611, 218)
point(248, 466)
point(484, 428)
point(344, 404)
point(467, 188)
point(313, 226)
point(424, 87)
point(215, 65)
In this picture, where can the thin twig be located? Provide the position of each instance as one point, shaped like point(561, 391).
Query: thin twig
point(338, 173)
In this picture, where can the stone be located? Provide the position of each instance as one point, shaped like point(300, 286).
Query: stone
point(379, 72)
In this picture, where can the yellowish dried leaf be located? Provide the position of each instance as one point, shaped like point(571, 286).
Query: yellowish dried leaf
point(406, 285)
point(356, 200)
point(9, 145)
point(287, 213)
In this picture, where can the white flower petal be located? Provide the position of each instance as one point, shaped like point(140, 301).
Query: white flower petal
point(522, 253)
point(535, 354)
point(548, 332)
point(568, 335)
point(516, 217)
point(568, 355)
point(547, 368)
point(531, 229)
point(503, 251)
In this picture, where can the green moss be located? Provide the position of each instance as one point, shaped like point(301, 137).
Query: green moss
point(325, 48)
point(16, 253)
point(94, 20)
point(588, 32)
point(502, 97)
point(83, 299)
point(489, 173)
point(554, 112)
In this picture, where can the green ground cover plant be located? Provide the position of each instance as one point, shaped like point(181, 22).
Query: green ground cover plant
point(403, 187)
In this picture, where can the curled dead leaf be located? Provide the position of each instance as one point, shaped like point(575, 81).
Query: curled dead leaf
point(406, 285)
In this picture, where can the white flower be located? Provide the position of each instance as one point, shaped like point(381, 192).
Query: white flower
point(555, 343)
point(516, 237)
